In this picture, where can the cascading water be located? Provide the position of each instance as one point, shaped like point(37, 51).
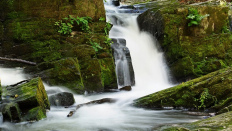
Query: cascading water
point(150, 76)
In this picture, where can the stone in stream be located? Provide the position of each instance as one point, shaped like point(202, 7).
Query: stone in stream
point(126, 88)
point(62, 99)
point(27, 97)
point(116, 2)
point(124, 67)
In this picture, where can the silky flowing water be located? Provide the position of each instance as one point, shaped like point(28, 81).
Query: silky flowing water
point(151, 75)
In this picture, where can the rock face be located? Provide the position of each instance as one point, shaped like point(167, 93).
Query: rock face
point(62, 99)
point(28, 31)
point(25, 101)
point(124, 67)
point(190, 51)
point(210, 91)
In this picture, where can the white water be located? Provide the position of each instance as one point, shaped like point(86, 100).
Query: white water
point(150, 74)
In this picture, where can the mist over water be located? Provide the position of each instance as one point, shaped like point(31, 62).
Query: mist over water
point(151, 75)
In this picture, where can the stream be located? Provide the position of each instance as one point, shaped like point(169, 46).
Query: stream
point(151, 75)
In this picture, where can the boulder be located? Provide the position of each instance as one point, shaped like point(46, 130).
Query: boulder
point(190, 51)
point(24, 97)
point(116, 2)
point(212, 91)
point(62, 99)
point(126, 88)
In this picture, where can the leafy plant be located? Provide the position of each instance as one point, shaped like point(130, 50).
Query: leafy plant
point(108, 40)
point(95, 45)
point(205, 98)
point(107, 27)
point(66, 27)
point(194, 17)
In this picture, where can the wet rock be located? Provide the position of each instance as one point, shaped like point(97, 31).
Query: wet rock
point(25, 96)
point(11, 112)
point(124, 67)
point(62, 99)
point(126, 88)
point(116, 2)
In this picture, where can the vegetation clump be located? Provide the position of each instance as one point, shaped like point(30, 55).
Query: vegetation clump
point(194, 17)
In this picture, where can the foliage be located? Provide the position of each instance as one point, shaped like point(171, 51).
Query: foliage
point(66, 27)
point(95, 45)
point(225, 29)
point(107, 27)
point(194, 17)
point(108, 40)
point(205, 97)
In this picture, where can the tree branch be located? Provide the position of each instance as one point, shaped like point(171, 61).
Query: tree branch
point(18, 60)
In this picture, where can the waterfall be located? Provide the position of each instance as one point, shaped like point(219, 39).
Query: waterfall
point(151, 75)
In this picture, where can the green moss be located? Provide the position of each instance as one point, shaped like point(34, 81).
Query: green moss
point(91, 75)
point(48, 50)
point(108, 75)
point(64, 72)
point(36, 113)
point(29, 94)
point(29, 29)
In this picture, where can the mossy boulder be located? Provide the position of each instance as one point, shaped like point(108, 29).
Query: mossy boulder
point(208, 91)
point(27, 95)
point(191, 51)
point(217, 123)
point(62, 99)
point(22, 98)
